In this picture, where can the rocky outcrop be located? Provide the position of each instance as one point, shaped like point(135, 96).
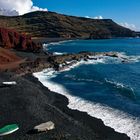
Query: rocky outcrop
point(50, 24)
point(62, 62)
point(11, 39)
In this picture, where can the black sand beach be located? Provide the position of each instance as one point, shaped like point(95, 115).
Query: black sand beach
point(29, 103)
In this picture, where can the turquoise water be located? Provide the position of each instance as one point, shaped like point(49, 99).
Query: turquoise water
point(115, 86)
point(130, 46)
point(105, 83)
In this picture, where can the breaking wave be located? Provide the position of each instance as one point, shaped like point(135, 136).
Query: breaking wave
point(58, 53)
point(46, 45)
point(129, 58)
point(101, 59)
point(119, 120)
point(124, 90)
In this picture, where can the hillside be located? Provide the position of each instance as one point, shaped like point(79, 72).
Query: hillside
point(50, 24)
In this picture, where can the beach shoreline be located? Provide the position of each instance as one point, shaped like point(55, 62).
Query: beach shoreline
point(31, 103)
point(70, 124)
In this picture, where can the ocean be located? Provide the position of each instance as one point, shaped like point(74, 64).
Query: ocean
point(104, 88)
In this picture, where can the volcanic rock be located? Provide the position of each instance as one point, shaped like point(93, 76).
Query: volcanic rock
point(10, 39)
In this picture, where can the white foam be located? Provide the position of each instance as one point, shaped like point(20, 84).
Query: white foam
point(119, 120)
point(122, 56)
point(45, 45)
point(101, 59)
point(58, 53)
point(117, 84)
point(129, 58)
point(9, 83)
point(122, 86)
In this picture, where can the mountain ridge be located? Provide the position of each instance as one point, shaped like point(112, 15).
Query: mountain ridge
point(50, 24)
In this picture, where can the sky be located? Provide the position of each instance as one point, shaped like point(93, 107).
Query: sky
point(124, 12)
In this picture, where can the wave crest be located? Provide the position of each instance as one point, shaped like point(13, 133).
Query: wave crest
point(124, 90)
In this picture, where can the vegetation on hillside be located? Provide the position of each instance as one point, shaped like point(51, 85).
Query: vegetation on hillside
point(50, 24)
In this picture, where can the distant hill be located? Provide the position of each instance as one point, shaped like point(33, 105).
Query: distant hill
point(50, 24)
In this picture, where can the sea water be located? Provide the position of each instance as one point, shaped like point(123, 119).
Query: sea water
point(105, 88)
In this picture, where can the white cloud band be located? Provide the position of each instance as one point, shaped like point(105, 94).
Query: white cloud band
point(127, 25)
point(21, 6)
point(97, 17)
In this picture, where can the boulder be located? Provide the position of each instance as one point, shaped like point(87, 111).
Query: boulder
point(44, 127)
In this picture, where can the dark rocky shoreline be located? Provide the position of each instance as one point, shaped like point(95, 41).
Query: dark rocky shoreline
point(60, 62)
point(30, 103)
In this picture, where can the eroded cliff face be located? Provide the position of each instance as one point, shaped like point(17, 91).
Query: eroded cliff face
point(10, 39)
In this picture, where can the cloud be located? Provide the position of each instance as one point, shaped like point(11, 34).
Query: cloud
point(87, 17)
point(8, 12)
point(97, 17)
point(21, 6)
point(130, 26)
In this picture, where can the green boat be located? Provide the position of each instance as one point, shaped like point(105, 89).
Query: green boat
point(8, 129)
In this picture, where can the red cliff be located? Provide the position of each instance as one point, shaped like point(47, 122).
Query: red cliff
point(11, 39)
